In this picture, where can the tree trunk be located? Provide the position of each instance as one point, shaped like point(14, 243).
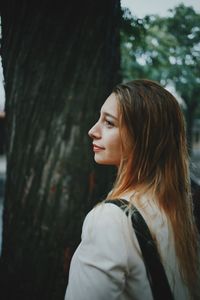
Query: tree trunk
point(59, 67)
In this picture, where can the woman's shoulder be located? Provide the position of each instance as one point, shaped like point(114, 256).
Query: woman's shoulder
point(106, 218)
point(110, 222)
point(105, 227)
point(105, 213)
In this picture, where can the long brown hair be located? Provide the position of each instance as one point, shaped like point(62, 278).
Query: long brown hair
point(155, 159)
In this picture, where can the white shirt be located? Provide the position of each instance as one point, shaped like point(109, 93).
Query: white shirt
point(108, 264)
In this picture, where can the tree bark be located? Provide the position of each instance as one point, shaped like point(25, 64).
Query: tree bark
point(59, 67)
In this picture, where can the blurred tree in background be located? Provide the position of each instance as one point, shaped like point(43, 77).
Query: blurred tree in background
point(60, 62)
point(166, 49)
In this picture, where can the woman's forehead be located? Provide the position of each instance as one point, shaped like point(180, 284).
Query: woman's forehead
point(111, 106)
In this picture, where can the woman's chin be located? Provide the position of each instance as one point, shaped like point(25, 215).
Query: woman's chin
point(104, 162)
point(100, 162)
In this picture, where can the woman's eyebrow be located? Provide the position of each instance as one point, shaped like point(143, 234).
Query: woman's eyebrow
point(108, 115)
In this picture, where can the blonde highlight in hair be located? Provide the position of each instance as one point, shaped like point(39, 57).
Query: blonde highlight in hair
point(155, 160)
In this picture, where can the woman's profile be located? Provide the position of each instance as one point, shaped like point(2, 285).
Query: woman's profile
point(141, 131)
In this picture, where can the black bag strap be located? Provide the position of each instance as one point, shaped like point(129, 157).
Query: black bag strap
point(155, 271)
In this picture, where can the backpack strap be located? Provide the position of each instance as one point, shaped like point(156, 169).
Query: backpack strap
point(155, 271)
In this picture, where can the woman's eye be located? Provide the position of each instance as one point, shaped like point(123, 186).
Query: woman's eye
point(109, 123)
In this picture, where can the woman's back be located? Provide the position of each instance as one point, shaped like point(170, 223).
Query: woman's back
point(112, 258)
point(162, 233)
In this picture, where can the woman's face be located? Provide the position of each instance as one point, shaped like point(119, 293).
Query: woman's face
point(105, 134)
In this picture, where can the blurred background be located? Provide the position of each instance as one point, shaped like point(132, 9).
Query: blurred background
point(57, 68)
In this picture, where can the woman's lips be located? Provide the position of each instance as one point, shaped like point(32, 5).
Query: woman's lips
point(97, 148)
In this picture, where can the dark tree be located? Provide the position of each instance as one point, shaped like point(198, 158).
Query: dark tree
point(2, 133)
point(60, 61)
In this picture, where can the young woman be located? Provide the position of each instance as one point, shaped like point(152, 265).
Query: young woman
point(140, 131)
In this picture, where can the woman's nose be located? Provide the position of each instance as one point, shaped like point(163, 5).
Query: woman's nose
point(94, 132)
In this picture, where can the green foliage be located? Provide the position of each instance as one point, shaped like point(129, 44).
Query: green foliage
point(185, 61)
point(166, 50)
